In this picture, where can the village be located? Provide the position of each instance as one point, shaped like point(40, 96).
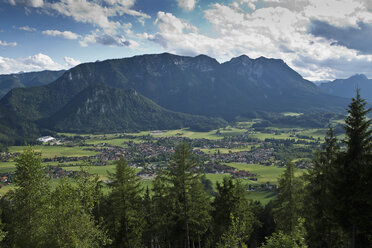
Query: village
point(151, 153)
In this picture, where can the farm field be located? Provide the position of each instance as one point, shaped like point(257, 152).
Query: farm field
point(94, 147)
point(55, 151)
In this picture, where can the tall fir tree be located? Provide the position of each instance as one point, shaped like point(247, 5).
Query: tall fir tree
point(125, 219)
point(322, 229)
point(232, 204)
point(352, 184)
point(189, 200)
point(162, 208)
point(29, 201)
point(288, 203)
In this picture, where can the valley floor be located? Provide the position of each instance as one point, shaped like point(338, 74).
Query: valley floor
point(255, 156)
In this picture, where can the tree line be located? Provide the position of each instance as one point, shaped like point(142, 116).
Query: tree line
point(329, 206)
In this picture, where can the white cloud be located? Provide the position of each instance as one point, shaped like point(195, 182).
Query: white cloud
point(9, 44)
point(99, 13)
point(27, 28)
point(41, 61)
point(107, 40)
point(187, 4)
point(64, 34)
point(37, 62)
point(250, 3)
point(176, 35)
point(31, 3)
point(70, 62)
point(279, 29)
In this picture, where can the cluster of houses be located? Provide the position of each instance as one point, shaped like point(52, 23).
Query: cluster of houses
point(6, 178)
point(58, 172)
point(7, 156)
point(217, 168)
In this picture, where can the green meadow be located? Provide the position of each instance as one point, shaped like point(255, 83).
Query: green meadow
point(264, 173)
point(56, 151)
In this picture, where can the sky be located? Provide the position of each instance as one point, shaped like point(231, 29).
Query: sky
point(320, 39)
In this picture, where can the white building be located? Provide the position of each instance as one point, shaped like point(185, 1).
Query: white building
point(46, 139)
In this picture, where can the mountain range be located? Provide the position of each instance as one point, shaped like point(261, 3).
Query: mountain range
point(347, 87)
point(29, 79)
point(161, 91)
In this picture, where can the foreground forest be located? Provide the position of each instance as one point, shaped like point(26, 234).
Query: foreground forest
point(329, 206)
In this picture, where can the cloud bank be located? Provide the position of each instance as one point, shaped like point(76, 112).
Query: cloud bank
point(37, 62)
point(320, 39)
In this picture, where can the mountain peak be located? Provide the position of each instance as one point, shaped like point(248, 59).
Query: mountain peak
point(358, 77)
point(262, 58)
point(242, 59)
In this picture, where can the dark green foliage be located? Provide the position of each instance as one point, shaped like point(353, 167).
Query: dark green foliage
point(180, 206)
point(351, 181)
point(288, 204)
point(265, 225)
point(190, 213)
point(232, 201)
point(282, 240)
point(125, 217)
point(10, 81)
point(71, 223)
point(310, 120)
point(159, 224)
point(208, 186)
point(235, 235)
point(100, 108)
point(323, 230)
point(29, 202)
point(16, 131)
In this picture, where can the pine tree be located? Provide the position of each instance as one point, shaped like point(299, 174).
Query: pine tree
point(352, 184)
point(29, 199)
point(288, 203)
point(190, 202)
point(232, 200)
point(125, 220)
point(162, 207)
point(321, 226)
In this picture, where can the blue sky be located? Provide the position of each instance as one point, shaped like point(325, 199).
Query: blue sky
point(320, 39)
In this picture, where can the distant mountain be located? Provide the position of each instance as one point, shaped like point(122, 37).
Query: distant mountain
point(100, 108)
point(318, 83)
point(29, 79)
point(347, 87)
point(195, 85)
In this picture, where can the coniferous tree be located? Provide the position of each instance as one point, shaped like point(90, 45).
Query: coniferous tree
point(29, 201)
point(125, 218)
point(162, 205)
point(322, 229)
point(148, 230)
point(190, 202)
point(288, 203)
point(352, 184)
point(231, 200)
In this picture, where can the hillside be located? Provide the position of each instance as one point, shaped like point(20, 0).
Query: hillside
point(347, 87)
point(195, 85)
point(29, 79)
point(100, 108)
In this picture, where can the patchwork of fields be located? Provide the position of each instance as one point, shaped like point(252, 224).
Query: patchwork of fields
point(263, 153)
